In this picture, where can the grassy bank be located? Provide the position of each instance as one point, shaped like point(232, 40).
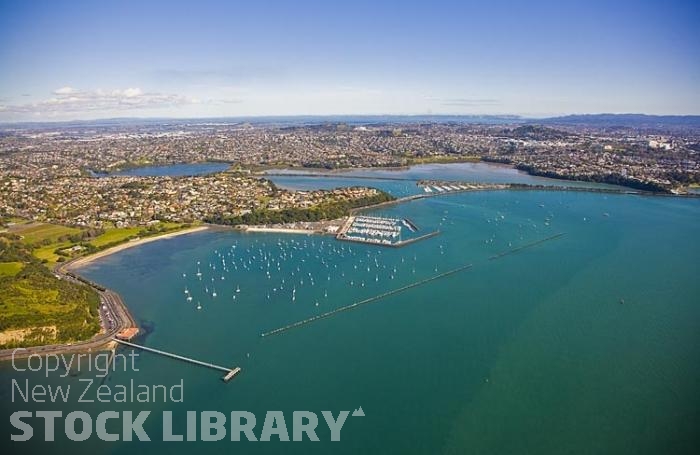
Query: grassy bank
point(52, 243)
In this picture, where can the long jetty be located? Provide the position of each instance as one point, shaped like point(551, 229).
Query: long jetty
point(230, 372)
point(527, 245)
point(364, 302)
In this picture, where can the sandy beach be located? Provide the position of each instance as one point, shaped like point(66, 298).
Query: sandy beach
point(132, 243)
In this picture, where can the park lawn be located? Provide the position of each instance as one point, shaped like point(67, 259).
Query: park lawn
point(47, 252)
point(115, 235)
point(34, 233)
point(10, 268)
point(118, 235)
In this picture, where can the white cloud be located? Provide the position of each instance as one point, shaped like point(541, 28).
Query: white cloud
point(71, 101)
point(132, 92)
point(64, 91)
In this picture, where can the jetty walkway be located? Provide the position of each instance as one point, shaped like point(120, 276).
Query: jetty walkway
point(230, 372)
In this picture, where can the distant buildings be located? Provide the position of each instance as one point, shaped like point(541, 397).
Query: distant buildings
point(46, 173)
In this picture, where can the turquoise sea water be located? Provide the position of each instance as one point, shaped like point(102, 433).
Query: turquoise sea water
point(402, 182)
point(583, 344)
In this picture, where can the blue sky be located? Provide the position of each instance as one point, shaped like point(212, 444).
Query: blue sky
point(69, 60)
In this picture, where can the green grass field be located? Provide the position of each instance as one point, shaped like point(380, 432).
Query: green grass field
point(47, 252)
point(10, 268)
point(34, 233)
point(121, 234)
point(115, 235)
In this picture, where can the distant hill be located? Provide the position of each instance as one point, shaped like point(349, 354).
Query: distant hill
point(289, 121)
point(625, 120)
point(605, 121)
point(536, 132)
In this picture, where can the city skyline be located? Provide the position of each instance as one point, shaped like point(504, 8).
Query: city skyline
point(214, 59)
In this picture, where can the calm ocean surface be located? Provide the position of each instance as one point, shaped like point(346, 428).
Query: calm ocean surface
point(403, 181)
point(175, 170)
point(583, 344)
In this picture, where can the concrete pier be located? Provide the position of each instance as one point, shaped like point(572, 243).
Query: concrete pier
point(230, 372)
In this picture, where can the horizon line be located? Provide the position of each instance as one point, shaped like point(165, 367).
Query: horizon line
point(328, 116)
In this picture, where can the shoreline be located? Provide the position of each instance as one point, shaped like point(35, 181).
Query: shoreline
point(300, 170)
point(85, 260)
point(561, 180)
point(103, 339)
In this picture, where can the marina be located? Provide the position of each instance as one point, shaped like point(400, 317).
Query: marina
point(435, 187)
point(382, 231)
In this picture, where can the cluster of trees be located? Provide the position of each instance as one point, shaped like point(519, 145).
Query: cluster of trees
point(684, 178)
point(81, 236)
point(536, 132)
point(325, 211)
point(12, 249)
point(612, 179)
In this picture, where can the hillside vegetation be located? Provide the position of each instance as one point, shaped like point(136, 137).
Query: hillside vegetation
point(38, 308)
point(326, 211)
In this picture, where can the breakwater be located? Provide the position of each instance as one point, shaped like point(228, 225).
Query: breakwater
point(364, 302)
point(403, 288)
point(526, 246)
